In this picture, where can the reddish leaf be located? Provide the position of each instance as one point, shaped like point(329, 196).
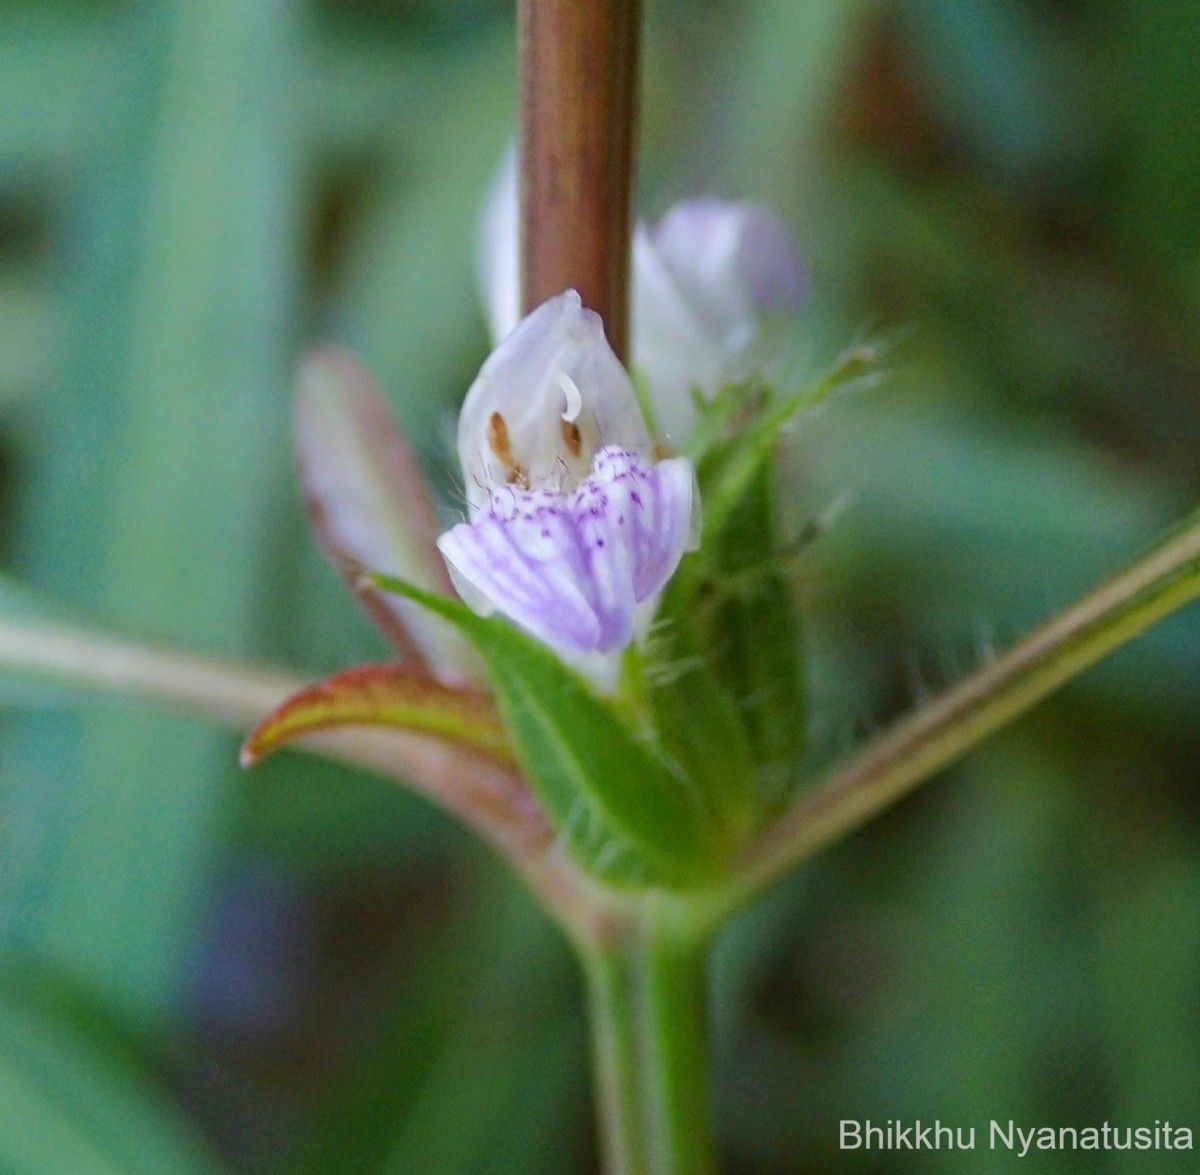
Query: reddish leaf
point(383, 695)
point(368, 503)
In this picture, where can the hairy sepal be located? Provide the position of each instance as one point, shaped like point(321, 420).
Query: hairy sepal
point(724, 674)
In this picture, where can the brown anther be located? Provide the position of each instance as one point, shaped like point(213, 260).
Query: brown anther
point(572, 437)
point(497, 439)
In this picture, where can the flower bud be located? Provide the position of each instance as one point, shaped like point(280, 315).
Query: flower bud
point(703, 280)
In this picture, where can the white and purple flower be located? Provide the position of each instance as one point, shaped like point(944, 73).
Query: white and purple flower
point(573, 527)
point(705, 278)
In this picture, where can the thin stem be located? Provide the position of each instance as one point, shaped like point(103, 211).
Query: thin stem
point(489, 797)
point(578, 102)
point(234, 693)
point(890, 766)
point(648, 1008)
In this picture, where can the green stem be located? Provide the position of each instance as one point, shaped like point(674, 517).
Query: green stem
point(895, 762)
point(648, 1007)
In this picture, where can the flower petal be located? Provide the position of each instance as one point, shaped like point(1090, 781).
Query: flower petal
point(702, 281)
point(672, 348)
point(523, 558)
point(572, 569)
point(733, 260)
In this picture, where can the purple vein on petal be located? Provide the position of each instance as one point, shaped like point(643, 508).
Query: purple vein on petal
point(532, 587)
point(613, 543)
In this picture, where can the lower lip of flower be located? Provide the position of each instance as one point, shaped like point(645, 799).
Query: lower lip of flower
point(571, 566)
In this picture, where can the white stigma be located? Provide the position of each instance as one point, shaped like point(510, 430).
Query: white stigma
point(574, 397)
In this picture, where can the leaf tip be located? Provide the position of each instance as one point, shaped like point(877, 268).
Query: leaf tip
point(252, 752)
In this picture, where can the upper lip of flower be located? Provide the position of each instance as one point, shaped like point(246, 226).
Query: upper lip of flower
point(547, 399)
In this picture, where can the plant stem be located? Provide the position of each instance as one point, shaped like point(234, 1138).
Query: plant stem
point(648, 1007)
point(889, 766)
point(646, 989)
point(578, 103)
point(486, 795)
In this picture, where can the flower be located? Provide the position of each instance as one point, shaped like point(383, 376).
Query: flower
point(573, 527)
point(704, 278)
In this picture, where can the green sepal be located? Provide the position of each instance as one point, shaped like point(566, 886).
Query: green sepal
point(623, 811)
point(754, 629)
point(724, 678)
point(724, 675)
point(694, 714)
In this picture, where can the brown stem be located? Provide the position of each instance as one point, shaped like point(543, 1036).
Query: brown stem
point(578, 107)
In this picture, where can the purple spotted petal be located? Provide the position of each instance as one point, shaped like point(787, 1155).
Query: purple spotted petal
point(572, 568)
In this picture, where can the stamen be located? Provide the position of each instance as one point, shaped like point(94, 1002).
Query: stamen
point(498, 442)
point(572, 437)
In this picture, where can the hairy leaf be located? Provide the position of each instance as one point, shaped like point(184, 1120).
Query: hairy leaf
point(723, 676)
point(622, 810)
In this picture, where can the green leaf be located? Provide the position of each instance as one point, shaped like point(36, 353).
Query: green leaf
point(623, 811)
point(733, 709)
point(180, 242)
point(723, 677)
point(382, 695)
point(694, 715)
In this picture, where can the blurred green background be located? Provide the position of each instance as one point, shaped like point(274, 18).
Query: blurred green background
point(305, 971)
